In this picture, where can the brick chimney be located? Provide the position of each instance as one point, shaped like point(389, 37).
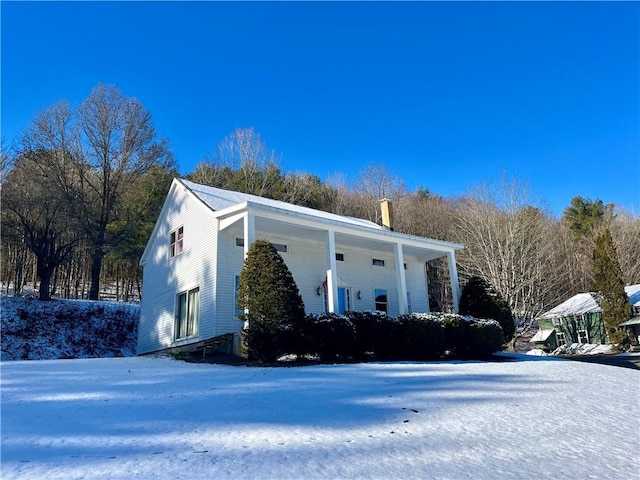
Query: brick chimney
point(386, 206)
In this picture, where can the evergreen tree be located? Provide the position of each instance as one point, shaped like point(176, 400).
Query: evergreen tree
point(480, 300)
point(583, 215)
point(271, 301)
point(610, 287)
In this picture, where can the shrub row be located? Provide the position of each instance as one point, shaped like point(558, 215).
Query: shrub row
point(372, 335)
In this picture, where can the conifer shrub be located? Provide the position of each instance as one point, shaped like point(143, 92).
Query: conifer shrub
point(271, 301)
point(373, 334)
point(418, 337)
point(480, 300)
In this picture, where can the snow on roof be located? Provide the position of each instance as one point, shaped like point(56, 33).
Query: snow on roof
point(219, 199)
point(585, 303)
point(576, 305)
point(633, 292)
point(633, 321)
point(542, 335)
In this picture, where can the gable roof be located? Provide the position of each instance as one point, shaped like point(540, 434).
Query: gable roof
point(586, 303)
point(226, 203)
point(219, 199)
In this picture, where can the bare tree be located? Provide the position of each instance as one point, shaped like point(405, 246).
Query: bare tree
point(510, 244)
point(625, 229)
point(208, 172)
point(5, 161)
point(374, 183)
point(33, 210)
point(255, 166)
point(119, 145)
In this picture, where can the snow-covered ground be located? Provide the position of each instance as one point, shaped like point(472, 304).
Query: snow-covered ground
point(35, 330)
point(157, 418)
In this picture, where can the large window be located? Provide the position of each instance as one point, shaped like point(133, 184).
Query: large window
point(381, 300)
point(176, 239)
point(187, 312)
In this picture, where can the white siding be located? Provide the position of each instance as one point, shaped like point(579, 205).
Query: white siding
point(306, 261)
point(165, 277)
point(230, 260)
point(211, 261)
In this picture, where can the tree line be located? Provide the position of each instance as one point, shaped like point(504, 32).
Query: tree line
point(82, 187)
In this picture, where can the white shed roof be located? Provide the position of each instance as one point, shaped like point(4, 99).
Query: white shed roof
point(542, 335)
point(586, 303)
point(633, 292)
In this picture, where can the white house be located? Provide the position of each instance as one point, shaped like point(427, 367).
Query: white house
point(194, 256)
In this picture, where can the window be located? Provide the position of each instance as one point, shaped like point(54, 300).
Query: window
point(560, 338)
point(280, 247)
point(582, 336)
point(176, 239)
point(378, 262)
point(187, 311)
point(340, 257)
point(409, 303)
point(380, 300)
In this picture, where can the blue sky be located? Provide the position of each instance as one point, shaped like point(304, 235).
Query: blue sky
point(445, 94)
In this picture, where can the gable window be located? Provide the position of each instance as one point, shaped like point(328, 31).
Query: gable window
point(381, 300)
point(377, 262)
point(176, 242)
point(187, 313)
point(239, 242)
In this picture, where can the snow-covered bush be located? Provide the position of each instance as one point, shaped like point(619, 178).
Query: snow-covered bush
point(332, 336)
point(373, 334)
point(418, 337)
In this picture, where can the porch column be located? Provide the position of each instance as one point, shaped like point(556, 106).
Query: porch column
point(249, 231)
point(453, 275)
point(401, 280)
point(332, 276)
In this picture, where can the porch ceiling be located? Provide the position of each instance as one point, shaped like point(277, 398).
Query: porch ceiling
point(294, 231)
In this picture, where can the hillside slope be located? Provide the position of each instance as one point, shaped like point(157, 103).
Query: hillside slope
point(35, 330)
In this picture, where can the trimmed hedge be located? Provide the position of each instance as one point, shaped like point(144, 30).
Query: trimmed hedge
point(332, 337)
point(375, 336)
point(374, 332)
point(418, 337)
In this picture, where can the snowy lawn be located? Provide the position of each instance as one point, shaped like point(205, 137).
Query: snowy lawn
point(157, 418)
